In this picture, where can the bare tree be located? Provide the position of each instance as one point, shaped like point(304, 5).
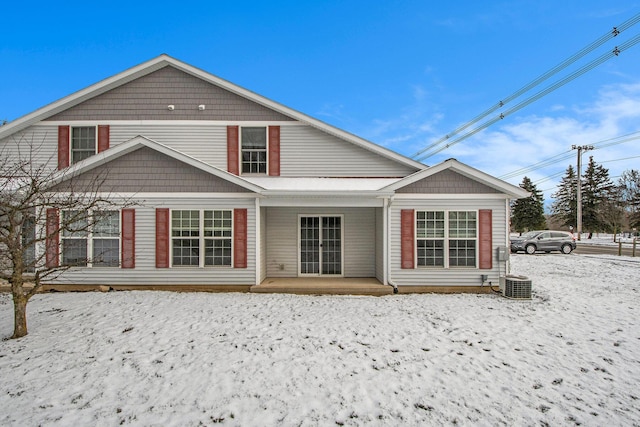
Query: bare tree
point(38, 205)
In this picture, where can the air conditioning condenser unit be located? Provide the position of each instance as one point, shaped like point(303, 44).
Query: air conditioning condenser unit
point(517, 287)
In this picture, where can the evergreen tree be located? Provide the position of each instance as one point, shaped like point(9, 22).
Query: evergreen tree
point(564, 207)
point(528, 213)
point(629, 187)
point(597, 198)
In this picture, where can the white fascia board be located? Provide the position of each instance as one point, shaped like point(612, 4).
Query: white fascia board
point(284, 123)
point(176, 196)
point(324, 202)
point(451, 196)
point(335, 194)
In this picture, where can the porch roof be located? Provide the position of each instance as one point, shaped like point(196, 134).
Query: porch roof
point(322, 186)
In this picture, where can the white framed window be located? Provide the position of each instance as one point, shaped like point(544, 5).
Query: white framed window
point(430, 235)
point(201, 238)
point(75, 238)
point(105, 239)
point(90, 239)
point(253, 146)
point(83, 142)
point(447, 238)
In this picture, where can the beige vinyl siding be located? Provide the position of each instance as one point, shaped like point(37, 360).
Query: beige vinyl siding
point(306, 151)
point(207, 143)
point(145, 272)
point(458, 276)
point(39, 143)
point(358, 239)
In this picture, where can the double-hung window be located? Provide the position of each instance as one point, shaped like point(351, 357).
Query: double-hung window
point(201, 238)
point(105, 240)
point(91, 239)
point(75, 238)
point(446, 238)
point(430, 233)
point(83, 143)
point(254, 150)
point(462, 238)
point(217, 238)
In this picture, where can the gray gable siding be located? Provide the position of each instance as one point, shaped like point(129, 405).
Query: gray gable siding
point(447, 182)
point(148, 171)
point(147, 98)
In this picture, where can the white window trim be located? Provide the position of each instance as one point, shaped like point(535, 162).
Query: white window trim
point(266, 129)
point(71, 128)
point(89, 238)
point(201, 240)
point(446, 239)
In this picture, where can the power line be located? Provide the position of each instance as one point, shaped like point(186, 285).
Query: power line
point(549, 178)
point(547, 162)
point(591, 65)
point(578, 55)
point(567, 154)
point(620, 160)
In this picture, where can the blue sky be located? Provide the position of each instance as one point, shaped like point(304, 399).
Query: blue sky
point(401, 74)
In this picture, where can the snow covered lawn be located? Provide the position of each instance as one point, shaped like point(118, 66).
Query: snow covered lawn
point(571, 355)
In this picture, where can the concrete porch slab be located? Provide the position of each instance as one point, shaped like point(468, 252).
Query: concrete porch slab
point(323, 286)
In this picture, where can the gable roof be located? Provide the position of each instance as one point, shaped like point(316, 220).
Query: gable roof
point(164, 61)
point(134, 144)
point(513, 191)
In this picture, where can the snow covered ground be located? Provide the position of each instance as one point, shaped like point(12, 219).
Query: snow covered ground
point(569, 356)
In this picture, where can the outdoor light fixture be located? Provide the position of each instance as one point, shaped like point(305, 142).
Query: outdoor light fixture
point(201, 107)
point(171, 107)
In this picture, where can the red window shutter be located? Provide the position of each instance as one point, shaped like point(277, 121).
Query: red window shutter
point(274, 150)
point(240, 238)
point(485, 233)
point(162, 238)
point(53, 238)
point(407, 238)
point(63, 147)
point(103, 138)
point(233, 150)
point(128, 238)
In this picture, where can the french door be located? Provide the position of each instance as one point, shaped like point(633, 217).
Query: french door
point(320, 245)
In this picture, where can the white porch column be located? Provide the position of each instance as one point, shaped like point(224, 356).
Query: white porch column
point(385, 240)
point(258, 254)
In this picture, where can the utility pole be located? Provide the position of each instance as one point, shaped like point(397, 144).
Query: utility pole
point(580, 149)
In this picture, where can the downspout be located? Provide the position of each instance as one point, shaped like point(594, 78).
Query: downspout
point(507, 237)
point(387, 227)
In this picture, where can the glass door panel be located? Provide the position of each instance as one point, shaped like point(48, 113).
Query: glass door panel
point(321, 245)
point(309, 245)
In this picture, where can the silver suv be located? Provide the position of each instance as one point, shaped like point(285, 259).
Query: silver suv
point(544, 240)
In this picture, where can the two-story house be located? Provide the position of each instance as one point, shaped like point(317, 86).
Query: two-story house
point(235, 191)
